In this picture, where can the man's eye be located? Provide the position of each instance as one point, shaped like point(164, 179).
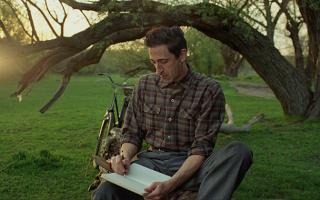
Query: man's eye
point(163, 61)
point(160, 61)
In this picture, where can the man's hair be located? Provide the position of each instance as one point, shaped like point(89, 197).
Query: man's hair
point(172, 37)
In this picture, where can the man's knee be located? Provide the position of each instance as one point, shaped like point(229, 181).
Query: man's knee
point(109, 191)
point(103, 192)
point(240, 151)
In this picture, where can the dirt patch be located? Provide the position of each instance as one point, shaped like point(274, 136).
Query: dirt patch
point(252, 89)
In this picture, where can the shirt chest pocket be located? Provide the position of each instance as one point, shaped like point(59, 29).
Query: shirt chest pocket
point(151, 116)
point(187, 122)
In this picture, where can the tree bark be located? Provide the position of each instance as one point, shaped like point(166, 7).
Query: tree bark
point(286, 82)
point(310, 11)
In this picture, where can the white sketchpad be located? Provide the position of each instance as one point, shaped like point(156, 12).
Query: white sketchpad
point(138, 178)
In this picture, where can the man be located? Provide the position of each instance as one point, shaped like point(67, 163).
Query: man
point(178, 113)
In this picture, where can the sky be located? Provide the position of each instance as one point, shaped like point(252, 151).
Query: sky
point(75, 21)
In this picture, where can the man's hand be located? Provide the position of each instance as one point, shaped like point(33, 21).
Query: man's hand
point(120, 165)
point(157, 190)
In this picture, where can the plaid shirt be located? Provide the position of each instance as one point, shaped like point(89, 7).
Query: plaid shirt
point(183, 116)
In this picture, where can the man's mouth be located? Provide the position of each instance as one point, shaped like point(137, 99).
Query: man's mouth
point(163, 76)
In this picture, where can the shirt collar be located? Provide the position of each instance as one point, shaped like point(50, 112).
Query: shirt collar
point(184, 82)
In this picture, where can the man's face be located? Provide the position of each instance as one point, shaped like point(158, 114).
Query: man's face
point(167, 66)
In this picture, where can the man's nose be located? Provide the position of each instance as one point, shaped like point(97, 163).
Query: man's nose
point(159, 68)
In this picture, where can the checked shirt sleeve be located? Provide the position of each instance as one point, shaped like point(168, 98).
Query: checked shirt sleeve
point(131, 131)
point(209, 121)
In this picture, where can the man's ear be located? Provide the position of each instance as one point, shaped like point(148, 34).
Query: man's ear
point(183, 55)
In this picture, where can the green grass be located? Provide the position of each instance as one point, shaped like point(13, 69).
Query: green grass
point(46, 156)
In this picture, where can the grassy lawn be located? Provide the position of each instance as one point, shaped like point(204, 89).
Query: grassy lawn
point(47, 156)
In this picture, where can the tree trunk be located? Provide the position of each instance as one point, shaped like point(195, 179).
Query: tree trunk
point(288, 85)
point(310, 11)
point(232, 61)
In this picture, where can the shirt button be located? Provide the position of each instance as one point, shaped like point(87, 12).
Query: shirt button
point(169, 119)
point(172, 100)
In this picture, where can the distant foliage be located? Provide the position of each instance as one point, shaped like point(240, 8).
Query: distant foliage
point(122, 58)
point(204, 56)
point(204, 53)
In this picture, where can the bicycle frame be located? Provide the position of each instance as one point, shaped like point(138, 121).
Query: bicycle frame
point(112, 118)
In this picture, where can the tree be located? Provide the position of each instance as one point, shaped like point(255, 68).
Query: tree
point(129, 20)
point(11, 22)
point(265, 10)
point(232, 61)
point(310, 11)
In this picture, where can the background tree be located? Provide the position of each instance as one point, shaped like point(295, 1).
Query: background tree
point(129, 20)
point(232, 61)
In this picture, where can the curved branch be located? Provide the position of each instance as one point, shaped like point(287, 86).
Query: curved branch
point(94, 6)
point(91, 56)
point(111, 24)
point(37, 72)
point(62, 88)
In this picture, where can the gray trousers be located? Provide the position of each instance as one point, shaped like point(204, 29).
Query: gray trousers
point(217, 178)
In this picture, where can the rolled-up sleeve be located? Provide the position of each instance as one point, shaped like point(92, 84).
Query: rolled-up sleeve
point(209, 120)
point(131, 131)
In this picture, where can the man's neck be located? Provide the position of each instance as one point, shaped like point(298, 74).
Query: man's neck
point(184, 72)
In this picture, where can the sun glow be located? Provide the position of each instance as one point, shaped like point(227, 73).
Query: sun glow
point(75, 22)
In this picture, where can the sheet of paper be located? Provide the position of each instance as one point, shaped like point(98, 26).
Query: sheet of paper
point(138, 178)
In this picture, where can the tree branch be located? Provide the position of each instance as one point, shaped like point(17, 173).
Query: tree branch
point(283, 7)
point(56, 19)
point(63, 20)
point(116, 6)
point(93, 34)
point(64, 83)
point(44, 16)
point(94, 6)
point(34, 32)
point(254, 3)
point(245, 4)
point(37, 72)
point(91, 56)
point(85, 16)
point(254, 20)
